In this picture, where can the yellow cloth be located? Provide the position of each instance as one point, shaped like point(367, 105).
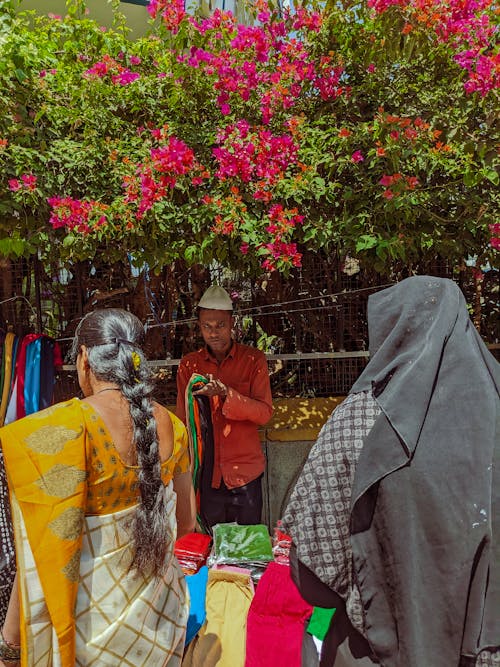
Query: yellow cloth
point(8, 348)
point(222, 639)
point(54, 459)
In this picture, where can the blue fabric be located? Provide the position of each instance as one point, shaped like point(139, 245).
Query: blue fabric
point(32, 377)
point(197, 586)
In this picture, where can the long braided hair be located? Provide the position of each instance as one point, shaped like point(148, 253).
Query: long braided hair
point(114, 340)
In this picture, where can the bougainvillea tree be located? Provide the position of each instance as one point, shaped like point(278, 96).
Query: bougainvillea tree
point(370, 127)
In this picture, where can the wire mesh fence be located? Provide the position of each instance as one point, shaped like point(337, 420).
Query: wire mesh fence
point(312, 324)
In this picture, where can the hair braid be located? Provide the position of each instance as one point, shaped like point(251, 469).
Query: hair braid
point(113, 338)
point(150, 527)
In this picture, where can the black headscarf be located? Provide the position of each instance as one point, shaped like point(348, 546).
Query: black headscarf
point(425, 502)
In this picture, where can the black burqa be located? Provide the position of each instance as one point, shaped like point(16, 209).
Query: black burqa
point(425, 502)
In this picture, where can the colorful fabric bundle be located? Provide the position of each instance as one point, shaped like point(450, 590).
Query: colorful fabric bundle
point(27, 375)
point(192, 551)
point(196, 431)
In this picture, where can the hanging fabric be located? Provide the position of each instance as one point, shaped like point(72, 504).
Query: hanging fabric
point(199, 428)
point(32, 376)
point(7, 366)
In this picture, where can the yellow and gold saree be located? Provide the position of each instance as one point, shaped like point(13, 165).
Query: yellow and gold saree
point(72, 503)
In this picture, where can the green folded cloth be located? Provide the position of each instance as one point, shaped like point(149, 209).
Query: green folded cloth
point(242, 544)
point(320, 621)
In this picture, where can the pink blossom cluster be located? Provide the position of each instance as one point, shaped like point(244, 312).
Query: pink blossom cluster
point(282, 221)
point(254, 155)
point(280, 252)
point(27, 182)
point(466, 26)
point(75, 214)
point(168, 162)
point(172, 12)
point(303, 19)
point(118, 74)
point(232, 51)
point(483, 70)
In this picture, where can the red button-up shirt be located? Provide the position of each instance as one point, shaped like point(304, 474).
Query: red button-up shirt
point(238, 457)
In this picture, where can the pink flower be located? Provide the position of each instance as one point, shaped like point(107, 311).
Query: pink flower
point(29, 181)
point(371, 68)
point(388, 194)
point(386, 180)
point(125, 77)
point(495, 243)
point(225, 109)
point(244, 248)
point(42, 73)
point(357, 156)
point(135, 60)
point(14, 184)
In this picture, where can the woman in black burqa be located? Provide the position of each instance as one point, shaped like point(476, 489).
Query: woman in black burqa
point(395, 516)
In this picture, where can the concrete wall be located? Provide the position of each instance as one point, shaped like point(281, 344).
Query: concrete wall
point(286, 441)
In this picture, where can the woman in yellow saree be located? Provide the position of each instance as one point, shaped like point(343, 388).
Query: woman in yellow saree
point(99, 490)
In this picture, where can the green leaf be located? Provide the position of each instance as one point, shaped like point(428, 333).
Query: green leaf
point(365, 242)
point(493, 176)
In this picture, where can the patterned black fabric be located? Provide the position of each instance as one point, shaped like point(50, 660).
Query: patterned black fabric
point(7, 553)
point(318, 512)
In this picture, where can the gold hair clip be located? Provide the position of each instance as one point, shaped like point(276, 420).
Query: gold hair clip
point(136, 360)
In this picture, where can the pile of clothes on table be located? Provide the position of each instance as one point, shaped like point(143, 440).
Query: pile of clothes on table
point(245, 609)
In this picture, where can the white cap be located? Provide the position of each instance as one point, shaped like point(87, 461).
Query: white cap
point(216, 298)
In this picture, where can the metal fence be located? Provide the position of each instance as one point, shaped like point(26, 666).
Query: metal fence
point(312, 324)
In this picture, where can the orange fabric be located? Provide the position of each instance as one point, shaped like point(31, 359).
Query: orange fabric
point(45, 459)
point(248, 405)
point(112, 485)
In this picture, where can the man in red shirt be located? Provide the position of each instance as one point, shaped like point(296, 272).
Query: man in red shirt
point(240, 400)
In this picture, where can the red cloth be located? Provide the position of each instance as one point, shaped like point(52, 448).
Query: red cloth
point(20, 373)
point(238, 457)
point(192, 551)
point(276, 621)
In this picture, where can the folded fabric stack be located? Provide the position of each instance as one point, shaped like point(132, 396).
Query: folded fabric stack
point(192, 551)
point(247, 546)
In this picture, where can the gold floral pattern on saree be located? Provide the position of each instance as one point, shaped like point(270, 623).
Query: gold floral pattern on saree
point(50, 439)
point(72, 569)
point(68, 525)
point(61, 480)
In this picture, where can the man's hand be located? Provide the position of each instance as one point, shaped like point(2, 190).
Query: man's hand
point(212, 388)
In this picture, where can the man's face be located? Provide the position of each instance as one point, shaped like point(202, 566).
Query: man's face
point(215, 326)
